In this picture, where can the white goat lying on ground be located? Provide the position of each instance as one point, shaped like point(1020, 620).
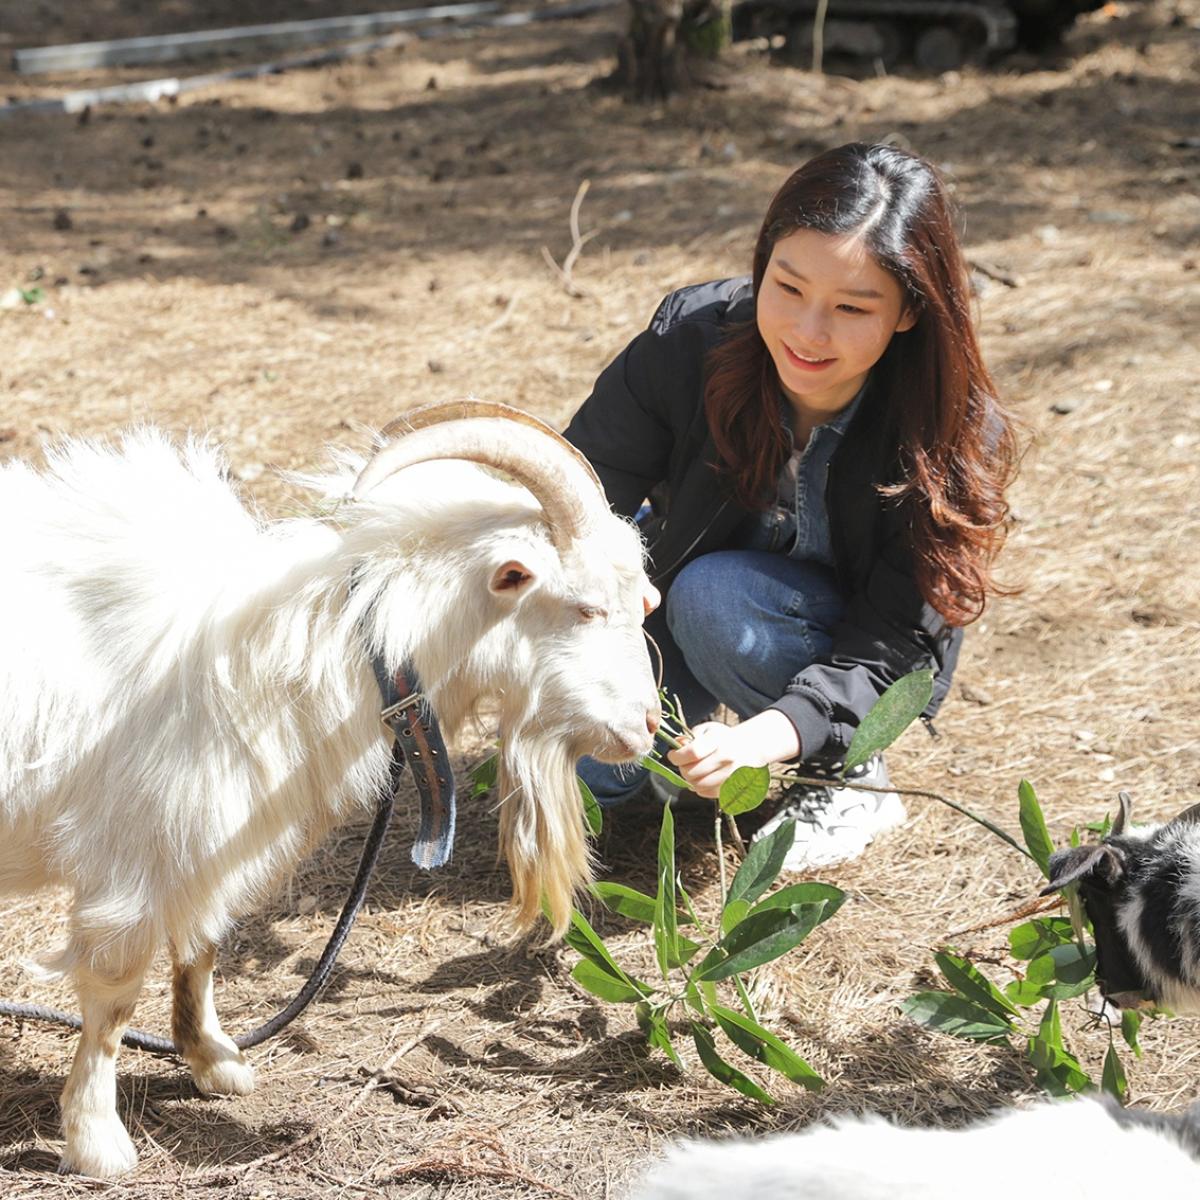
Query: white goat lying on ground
point(187, 705)
point(1073, 1150)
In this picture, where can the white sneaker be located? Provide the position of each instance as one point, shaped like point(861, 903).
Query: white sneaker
point(835, 824)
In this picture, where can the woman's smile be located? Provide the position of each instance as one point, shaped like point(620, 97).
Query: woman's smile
point(805, 362)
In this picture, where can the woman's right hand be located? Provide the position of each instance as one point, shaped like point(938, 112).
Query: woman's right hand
point(716, 751)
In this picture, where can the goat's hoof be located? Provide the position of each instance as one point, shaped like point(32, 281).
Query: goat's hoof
point(101, 1149)
point(226, 1077)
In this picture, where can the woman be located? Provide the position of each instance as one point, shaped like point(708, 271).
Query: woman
point(825, 464)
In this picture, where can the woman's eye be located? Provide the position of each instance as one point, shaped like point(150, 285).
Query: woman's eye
point(593, 612)
point(850, 308)
point(789, 288)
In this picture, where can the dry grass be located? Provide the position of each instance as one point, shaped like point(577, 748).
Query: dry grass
point(181, 294)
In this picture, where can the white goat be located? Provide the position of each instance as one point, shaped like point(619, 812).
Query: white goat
point(187, 705)
point(1074, 1150)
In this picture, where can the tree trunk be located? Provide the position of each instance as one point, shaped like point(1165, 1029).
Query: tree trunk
point(665, 39)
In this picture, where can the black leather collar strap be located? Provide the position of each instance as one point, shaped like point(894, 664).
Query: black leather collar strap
point(419, 742)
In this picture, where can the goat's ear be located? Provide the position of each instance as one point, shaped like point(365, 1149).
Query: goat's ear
point(1124, 817)
point(1068, 866)
point(512, 579)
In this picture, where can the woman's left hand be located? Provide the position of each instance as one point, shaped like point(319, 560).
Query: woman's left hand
point(717, 750)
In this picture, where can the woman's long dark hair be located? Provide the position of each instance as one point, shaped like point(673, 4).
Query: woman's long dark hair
point(955, 447)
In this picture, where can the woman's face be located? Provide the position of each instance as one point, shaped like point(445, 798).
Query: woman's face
point(826, 311)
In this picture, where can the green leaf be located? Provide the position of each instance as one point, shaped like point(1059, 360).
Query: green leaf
point(797, 893)
point(1033, 826)
point(889, 717)
point(1024, 992)
point(1062, 1075)
point(695, 999)
point(654, 1026)
point(629, 902)
point(626, 901)
point(602, 983)
point(762, 864)
point(745, 790)
point(652, 764)
point(1060, 973)
point(973, 985)
point(805, 893)
point(1058, 1071)
point(1112, 1078)
point(591, 809)
point(759, 939)
point(33, 295)
point(1074, 971)
point(693, 917)
point(763, 1045)
point(733, 912)
point(583, 939)
point(718, 1068)
point(483, 776)
point(666, 930)
point(1050, 1029)
point(1131, 1024)
point(1080, 925)
point(949, 1013)
point(1037, 936)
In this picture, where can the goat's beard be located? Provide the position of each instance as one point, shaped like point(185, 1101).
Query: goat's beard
point(542, 831)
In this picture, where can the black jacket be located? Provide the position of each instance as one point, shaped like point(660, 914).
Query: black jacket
point(644, 430)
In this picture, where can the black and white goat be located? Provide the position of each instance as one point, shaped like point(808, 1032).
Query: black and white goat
point(187, 702)
point(1072, 1150)
point(1141, 888)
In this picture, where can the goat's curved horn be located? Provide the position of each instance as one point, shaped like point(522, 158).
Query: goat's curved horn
point(560, 486)
point(1123, 819)
point(457, 410)
point(1189, 816)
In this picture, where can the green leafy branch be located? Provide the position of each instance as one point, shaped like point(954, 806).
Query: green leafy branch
point(699, 967)
point(753, 929)
point(1060, 965)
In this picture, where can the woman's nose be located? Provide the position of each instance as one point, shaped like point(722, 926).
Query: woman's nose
point(811, 328)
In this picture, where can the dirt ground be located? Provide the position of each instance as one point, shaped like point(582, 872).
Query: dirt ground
point(285, 261)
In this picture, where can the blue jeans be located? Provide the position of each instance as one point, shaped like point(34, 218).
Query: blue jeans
point(735, 628)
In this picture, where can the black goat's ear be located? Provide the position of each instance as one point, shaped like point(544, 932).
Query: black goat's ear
point(1124, 817)
point(1069, 866)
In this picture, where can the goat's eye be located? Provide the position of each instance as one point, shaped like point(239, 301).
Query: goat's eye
point(593, 612)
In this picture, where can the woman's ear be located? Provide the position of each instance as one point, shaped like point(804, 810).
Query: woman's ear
point(908, 318)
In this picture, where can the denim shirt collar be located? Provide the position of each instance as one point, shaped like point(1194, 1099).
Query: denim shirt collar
point(838, 425)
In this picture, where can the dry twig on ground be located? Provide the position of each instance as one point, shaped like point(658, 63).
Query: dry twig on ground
point(578, 241)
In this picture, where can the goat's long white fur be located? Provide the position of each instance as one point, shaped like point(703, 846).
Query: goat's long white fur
point(1069, 1150)
point(186, 701)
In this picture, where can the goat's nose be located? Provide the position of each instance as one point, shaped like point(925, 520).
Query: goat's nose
point(653, 719)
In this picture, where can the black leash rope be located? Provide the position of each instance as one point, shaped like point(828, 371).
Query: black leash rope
point(153, 1044)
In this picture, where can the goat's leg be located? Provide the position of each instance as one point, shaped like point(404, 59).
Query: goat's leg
point(97, 1144)
point(218, 1066)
